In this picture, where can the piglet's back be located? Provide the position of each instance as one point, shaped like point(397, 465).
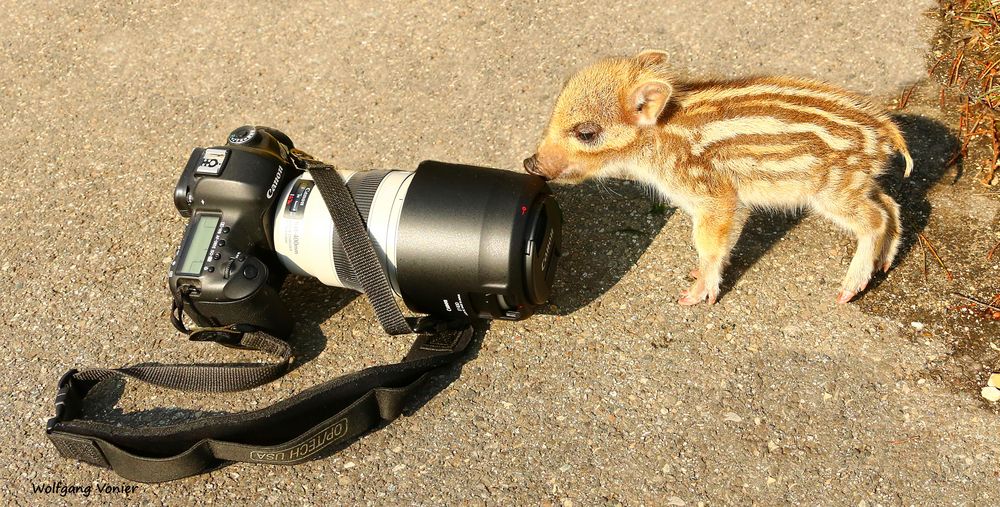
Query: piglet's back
point(779, 128)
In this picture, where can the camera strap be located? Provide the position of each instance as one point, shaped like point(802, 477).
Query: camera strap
point(313, 423)
point(357, 244)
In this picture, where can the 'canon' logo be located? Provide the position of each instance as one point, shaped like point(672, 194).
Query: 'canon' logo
point(274, 184)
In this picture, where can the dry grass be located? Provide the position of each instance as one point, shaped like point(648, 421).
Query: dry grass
point(969, 69)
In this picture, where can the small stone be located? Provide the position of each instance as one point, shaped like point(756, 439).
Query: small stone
point(732, 417)
point(827, 396)
point(675, 500)
point(771, 446)
point(919, 326)
point(791, 330)
point(994, 381)
point(771, 480)
point(991, 393)
point(349, 465)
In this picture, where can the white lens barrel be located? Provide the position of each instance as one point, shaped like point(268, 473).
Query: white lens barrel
point(306, 240)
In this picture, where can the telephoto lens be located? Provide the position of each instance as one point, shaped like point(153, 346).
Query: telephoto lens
point(455, 240)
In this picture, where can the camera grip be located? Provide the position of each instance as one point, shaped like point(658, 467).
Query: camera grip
point(263, 308)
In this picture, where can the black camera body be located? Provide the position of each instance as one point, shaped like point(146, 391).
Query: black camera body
point(226, 270)
point(458, 242)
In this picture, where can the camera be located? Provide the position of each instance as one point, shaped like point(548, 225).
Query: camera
point(456, 241)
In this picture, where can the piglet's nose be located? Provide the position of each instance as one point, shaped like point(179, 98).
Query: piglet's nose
point(531, 166)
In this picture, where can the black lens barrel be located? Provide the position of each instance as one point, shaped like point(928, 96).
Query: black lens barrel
point(476, 242)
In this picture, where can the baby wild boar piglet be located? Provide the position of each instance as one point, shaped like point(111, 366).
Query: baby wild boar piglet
point(719, 148)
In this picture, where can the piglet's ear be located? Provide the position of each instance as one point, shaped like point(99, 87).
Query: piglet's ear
point(651, 57)
point(648, 99)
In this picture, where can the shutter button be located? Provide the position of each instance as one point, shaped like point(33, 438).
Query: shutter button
point(250, 271)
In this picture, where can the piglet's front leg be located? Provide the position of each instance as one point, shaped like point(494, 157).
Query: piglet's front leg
point(717, 225)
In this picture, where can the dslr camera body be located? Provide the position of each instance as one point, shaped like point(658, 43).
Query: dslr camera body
point(457, 242)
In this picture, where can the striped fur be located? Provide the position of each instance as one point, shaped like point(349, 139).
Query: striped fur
point(719, 148)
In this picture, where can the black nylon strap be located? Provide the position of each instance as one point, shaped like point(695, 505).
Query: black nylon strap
point(207, 378)
point(357, 244)
point(310, 424)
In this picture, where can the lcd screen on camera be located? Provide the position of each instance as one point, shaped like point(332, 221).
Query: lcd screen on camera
point(193, 257)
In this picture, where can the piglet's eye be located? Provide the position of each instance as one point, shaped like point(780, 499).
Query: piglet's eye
point(587, 132)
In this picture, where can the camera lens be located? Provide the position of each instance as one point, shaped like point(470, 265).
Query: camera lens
point(455, 240)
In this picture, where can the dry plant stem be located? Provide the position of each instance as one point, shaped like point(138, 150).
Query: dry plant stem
point(988, 69)
point(930, 72)
point(965, 83)
point(995, 163)
point(929, 247)
point(989, 255)
point(977, 301)
point(906, 96)
point(923, 264)
point(955, 66)
point(954, 158)
point(972, 131)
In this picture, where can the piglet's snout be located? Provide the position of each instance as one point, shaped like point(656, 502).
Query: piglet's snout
point(531, 166)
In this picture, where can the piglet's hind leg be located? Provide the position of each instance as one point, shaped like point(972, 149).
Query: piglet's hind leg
point(861, 214)
point(893, 232)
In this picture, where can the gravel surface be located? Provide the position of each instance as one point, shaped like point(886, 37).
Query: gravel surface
point(615, 394)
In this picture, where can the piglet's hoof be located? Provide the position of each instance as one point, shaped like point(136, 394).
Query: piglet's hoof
point(696, 294)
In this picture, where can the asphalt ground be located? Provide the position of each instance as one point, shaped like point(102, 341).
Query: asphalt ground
point(614, 394)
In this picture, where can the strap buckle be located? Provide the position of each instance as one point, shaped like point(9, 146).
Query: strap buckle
point(302, 160)
point(64, 387)
point(230, 336)
point(438, 337)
